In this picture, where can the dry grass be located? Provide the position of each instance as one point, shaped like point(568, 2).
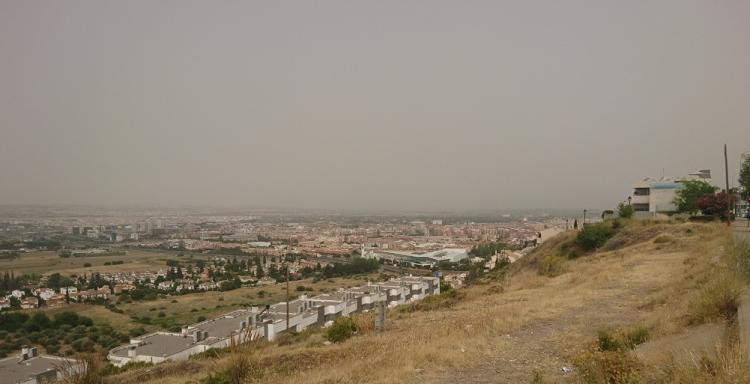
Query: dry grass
point(728, 366)
point(718, 299)
point(551, 265)
point(86, 372)
point(533, 324)
point(50, 261)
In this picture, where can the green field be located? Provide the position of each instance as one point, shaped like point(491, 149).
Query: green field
point(44, 262)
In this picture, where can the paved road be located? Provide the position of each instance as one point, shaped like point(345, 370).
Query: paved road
point(742, 233)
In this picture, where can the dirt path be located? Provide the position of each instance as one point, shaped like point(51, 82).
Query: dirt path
point(546, 345)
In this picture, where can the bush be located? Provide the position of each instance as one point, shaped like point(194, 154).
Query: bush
point(342, 329)
point(625, 211)
point(607, 367)
point(593, 236)
point(609, 360)
point(551, 265)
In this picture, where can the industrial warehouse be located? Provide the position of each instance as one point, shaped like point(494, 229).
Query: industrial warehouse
point(266, 323)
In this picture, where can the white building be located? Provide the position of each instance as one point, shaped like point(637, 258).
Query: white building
point(268, 323)
point(32, 368)
point(44, 293)
point(426, 259)
point(68, 290)
point(166, 285)
point(652, 197)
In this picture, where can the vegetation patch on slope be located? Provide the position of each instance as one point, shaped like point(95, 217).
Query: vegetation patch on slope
point(517, 327)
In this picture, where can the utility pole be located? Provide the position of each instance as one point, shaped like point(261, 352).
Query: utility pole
point(379, 319)
point(726, 174)
point(287, 296)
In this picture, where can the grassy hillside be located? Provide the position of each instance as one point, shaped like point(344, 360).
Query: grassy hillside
point(565, 313)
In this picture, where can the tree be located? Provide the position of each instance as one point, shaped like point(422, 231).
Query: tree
point(594, 236)
point(745, 178)
point(687, 197)
point(716, 204)
point(54, 281)
point(625, 211)
point(342, 329)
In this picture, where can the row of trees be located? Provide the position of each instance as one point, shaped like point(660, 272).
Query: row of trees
point(66, 332)
point(37, 243)
point(10, 281)
point(700, 196)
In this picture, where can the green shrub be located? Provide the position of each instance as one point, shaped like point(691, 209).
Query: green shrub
point(342, 329)
point(625, 211)
point(593, 236)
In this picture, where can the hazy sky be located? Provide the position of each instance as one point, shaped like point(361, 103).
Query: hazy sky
point(367, 105)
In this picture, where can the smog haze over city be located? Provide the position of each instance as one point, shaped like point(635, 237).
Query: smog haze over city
point(394, 105)
point(374, 191)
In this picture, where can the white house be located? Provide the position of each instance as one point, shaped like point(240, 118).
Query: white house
point(652, 197)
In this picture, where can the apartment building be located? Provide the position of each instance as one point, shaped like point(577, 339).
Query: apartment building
point(267, 323)
point(653, 197)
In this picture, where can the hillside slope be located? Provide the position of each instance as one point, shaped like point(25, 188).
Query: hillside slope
point(516, 327)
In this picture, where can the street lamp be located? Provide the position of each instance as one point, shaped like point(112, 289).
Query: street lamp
point(584, 217)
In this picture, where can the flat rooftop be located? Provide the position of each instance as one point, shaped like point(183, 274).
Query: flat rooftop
point(14, 371)
point(224, 326)
point(162, 345)
point(295, 306)
point(335, 296)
